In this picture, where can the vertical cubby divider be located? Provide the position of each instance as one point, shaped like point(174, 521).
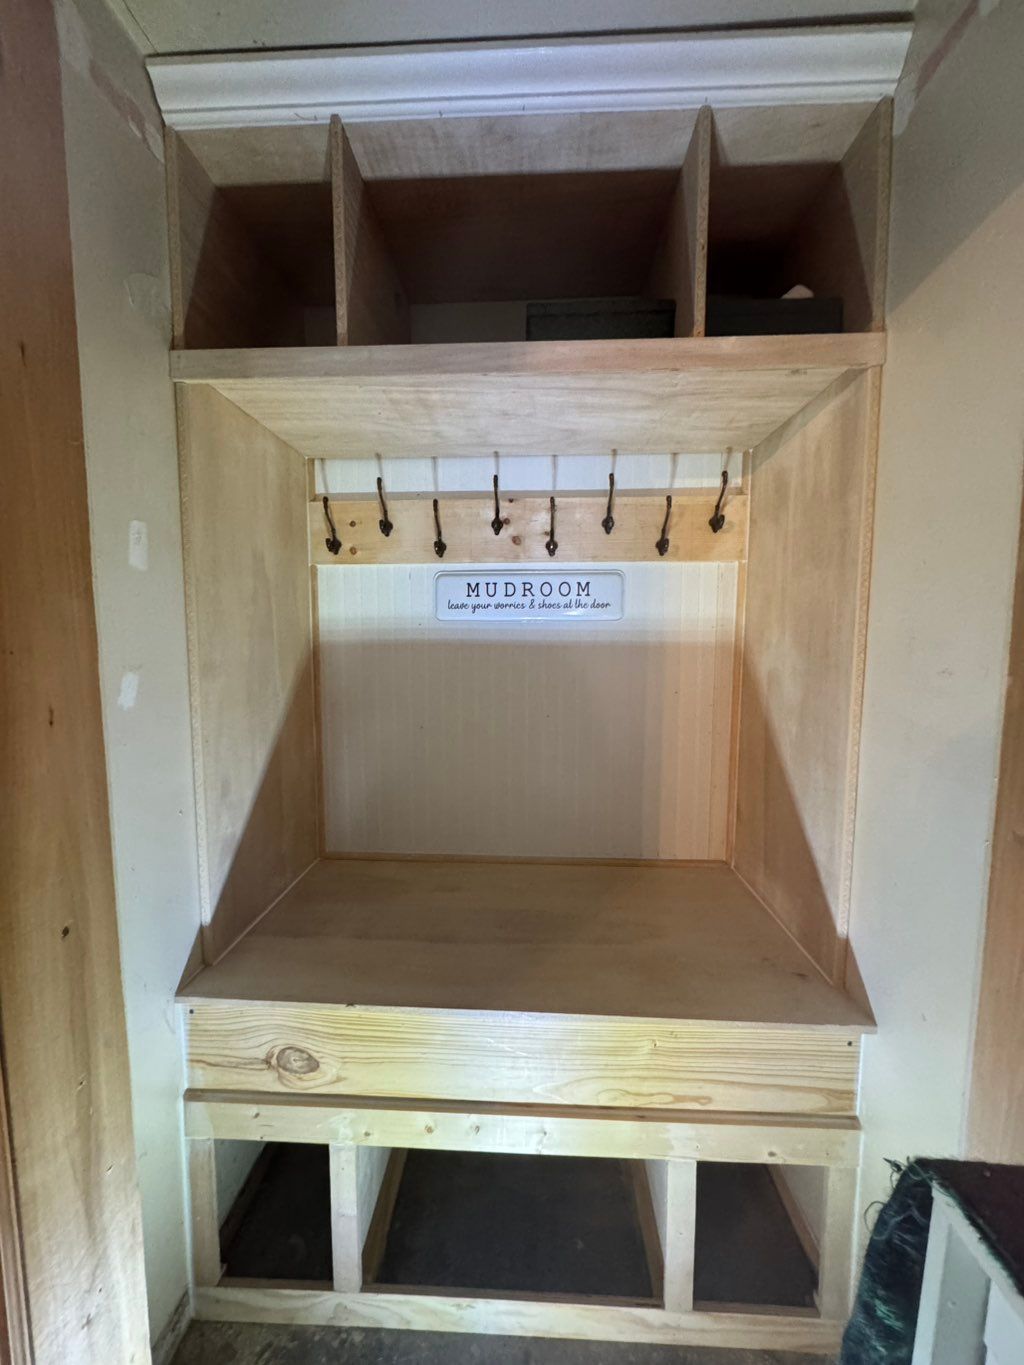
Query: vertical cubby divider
point(370, 301)
point(680, 267)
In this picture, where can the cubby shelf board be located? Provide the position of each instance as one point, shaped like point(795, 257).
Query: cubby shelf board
point(686, 394)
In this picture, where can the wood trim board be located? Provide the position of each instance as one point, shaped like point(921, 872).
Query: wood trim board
point(655, 1135)
point(467, 533)
point(77, 1233)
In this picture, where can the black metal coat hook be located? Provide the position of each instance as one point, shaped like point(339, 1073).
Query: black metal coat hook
point(386, 524)
point(439, 545)
point(609, 521)
point(662, 544)
point(332, 542)
point(551, 544)
point(717, 518)
point(496, 521)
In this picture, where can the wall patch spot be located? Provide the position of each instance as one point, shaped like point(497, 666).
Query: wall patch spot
point(129, 690)
point(138, 545)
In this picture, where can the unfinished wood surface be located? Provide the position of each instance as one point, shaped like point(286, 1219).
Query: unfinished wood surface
point(686, 394)
point(520, 1317)
point(248, 616)
point(417, 716)
point(224, 290)
point(370, 298)
point(496, 238)
point(65, 1058)
point(527, 144)
point(346, 1243)
point(674, 1194)
point(835, 1260)
point(485, 1056)
point(635, 1135)
point(809, 554)
point(840, 249)
point(680, 268)
point(467, 533)
point(202, 1187)
point(641, 941)
point(15, 1335)
point(996, 1111)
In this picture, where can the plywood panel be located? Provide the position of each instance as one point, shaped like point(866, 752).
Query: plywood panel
point(370, 295)
point(996, 1114)
point(248, 606)
point(589, 740)
point(76, 1230)
point(688, 394)
point(812, 490)
point(680, 267)
point(675, 942)
point(504, 237)
point(224, 291)
point(840, 249)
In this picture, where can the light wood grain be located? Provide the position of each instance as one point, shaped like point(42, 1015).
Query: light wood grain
point(812, 492)
point(346, 1243)
point(840, 248)
point(518, 1317)
point(524, 1059)
point(202, 1186)
point(466, 531)
point(65, 1056)
point(248, 616)
point(680, 267)
point(370, 301)
point(996, 1111)
point(498, 238)
point(224, 290)
point(835, 1262)
point(674, 1192)
point(15, 1333)
point(688, 394)
point(645, 942)
point(652, 1135)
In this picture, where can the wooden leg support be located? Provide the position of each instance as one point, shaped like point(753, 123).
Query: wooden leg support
point(674, 1194)
point(357, 1174)
point(835, 1268)
point(202, 1180)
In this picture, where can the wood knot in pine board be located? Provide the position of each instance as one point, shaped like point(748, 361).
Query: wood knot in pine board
point(295, 1061)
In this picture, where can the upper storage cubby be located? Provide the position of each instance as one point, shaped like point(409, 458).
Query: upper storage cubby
point(798, 221)
point(252, 256)
point(539, 228)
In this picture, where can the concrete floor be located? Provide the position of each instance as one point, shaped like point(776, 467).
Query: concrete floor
point(214, 1343)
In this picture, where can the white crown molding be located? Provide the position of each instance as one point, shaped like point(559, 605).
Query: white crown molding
point(839, 64)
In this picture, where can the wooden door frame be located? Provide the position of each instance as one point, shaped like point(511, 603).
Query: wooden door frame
point(70, 1222)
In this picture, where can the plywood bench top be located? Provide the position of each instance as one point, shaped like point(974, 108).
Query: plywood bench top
point(648, 941)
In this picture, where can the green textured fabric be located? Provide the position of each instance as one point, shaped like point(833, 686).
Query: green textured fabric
point(881, 1330)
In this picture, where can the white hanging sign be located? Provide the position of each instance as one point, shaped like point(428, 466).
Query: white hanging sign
point(556, 595)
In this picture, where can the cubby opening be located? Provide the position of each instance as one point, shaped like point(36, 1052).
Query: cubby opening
point(483, 1224)
point(505, 257)
point(252, 264)
point(797, 245)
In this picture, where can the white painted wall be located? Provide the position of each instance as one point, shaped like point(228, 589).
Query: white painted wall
point(196, 25)
point(119, 242)
point(949, 491)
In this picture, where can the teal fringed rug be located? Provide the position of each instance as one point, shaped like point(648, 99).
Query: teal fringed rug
point(881, 1330)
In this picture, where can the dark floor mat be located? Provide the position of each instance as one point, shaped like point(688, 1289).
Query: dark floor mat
point(536, 1224)
point(528, 1224)
point(747, 1251)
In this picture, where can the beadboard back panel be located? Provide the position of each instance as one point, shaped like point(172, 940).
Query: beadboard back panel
point(576, 739)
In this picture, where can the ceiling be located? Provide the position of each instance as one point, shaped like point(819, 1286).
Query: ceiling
point(172, 26)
